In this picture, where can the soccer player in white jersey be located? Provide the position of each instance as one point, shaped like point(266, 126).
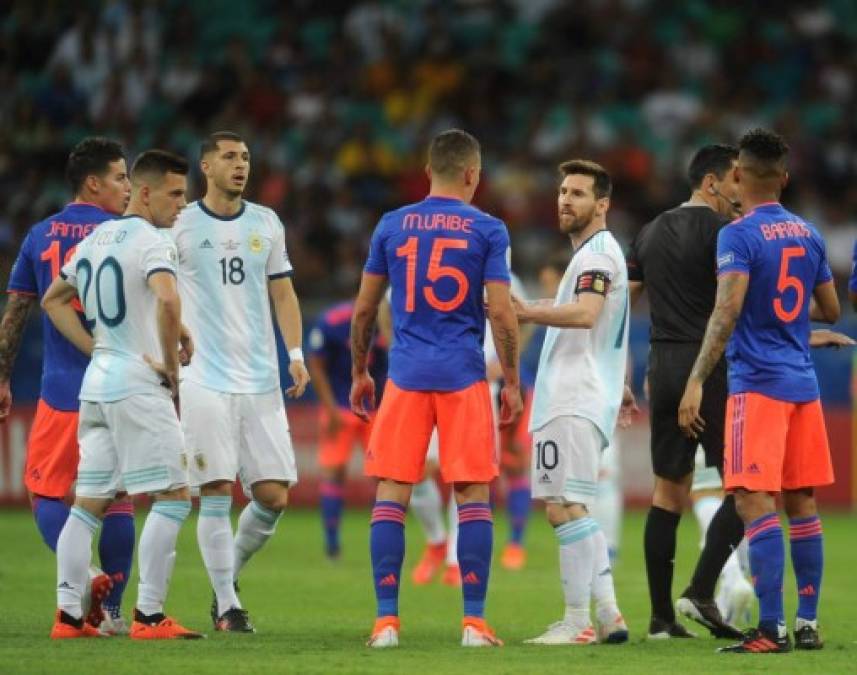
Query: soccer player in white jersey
point(129, 435)
point(578, 394)
point(233, 266)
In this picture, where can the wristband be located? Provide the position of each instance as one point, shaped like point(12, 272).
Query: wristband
point(296, 354)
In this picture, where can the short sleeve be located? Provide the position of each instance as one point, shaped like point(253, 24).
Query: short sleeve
point(597, 271)
point(160, 255)
point(499, 252)
point(852, 280)
point(824, 273)
point(376, 263)
point(23, 276)
point(279, 264)
point(733, 251)
point(632, 261)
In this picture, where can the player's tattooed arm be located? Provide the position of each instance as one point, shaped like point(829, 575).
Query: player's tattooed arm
point(731, 290)
point(12, 330)
point(362, 332)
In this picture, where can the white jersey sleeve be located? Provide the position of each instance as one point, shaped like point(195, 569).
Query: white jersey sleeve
point(279, 264)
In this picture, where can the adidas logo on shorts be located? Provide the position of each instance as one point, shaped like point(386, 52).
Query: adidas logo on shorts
point(545, 478)
point(753, 469)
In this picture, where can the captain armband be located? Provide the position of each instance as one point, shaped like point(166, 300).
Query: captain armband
point(593, 281)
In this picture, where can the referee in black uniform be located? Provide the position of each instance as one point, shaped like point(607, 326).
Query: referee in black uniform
point(674, 258)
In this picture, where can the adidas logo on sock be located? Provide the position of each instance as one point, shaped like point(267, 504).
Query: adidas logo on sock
point(605, 572)
point(65, 585)
point(470, 578)
point(206, 244)
point(389, 580)
point(809, 589)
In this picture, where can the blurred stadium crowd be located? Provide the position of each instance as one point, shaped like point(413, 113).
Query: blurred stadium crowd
point(338, 99)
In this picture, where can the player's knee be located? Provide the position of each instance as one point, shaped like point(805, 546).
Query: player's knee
point(753, 505)
point(670, 495)
point(220, 488)
point(800, 503)
point(560, 512)
point(273, 496)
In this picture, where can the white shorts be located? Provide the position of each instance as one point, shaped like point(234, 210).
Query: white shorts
point(135, 445)
point(704, 477)
point(236, 434)
point(565, 460)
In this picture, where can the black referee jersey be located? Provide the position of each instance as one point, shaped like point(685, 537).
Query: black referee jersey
point(675, 257)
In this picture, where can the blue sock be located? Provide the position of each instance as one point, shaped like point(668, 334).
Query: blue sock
point(50, 515)
point(332, 502)
point(518, 506)
point(116, 549)
point(475, 542)
point(767, 563)
point(808, 562)
point(387, 545)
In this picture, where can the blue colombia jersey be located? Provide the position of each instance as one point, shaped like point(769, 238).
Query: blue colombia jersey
point(438, 254)
point(785, 259)
point(47, 247)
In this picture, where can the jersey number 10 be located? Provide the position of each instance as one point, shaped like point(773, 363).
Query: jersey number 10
point(435, 272)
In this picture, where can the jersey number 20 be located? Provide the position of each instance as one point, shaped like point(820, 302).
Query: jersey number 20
point(435, 272)
point(115, 271)
point(785, 282)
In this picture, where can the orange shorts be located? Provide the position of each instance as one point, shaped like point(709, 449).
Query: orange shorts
point(335, 450)
point(403, 427)
point(516, 443)
point(52, 452)
point(773, 445)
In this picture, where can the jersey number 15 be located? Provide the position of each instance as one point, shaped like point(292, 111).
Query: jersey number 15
point(435, 272)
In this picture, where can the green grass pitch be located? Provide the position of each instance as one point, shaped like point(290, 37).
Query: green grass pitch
point(313, 616)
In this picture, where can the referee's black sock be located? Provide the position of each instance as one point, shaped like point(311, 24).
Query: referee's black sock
point(724, 534)
point(659, 545)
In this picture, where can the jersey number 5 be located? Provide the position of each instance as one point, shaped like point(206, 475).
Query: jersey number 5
point(785, 282)
point(435, 272)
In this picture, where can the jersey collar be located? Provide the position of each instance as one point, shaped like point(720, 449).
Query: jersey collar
point(208, 212)
point(587, 240)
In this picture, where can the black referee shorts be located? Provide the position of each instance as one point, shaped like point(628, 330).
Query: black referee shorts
point(673, 453)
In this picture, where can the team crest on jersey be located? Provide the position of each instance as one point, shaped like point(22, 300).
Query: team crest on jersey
point(199, 458)
point(230, 245)
point(184, 461)
point(256, 244)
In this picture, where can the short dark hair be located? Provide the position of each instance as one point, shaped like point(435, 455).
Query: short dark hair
point(450, 151)
point(764, 153)
point(159, 163)
point(716, 158)
point(92, 156)
point(602, 185)
point(210, 143)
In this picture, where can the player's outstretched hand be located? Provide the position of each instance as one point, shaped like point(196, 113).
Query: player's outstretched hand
point(362, 395)
point(629, 408)
point(829, 338)
point(511, 405)
point(169, 377)
point(185, 346)
point(300, 377)
point(688, 410)
point(5, 400)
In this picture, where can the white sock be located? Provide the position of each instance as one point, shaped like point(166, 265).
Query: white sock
point(603, 592)
point(428, 508)
point(452, 534)
point(607, 510)
point(255, 527)
point(731, 573)
point(157, 552)
point(74, 552)
point(743, 551)
point(576, 557)
point(214, 535)
point(704, 510)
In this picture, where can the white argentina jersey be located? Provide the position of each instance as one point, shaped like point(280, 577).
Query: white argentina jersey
point(110, 270)
point(582, 372)
point(224, 268)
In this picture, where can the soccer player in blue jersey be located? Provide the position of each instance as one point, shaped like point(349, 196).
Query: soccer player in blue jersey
point(329, 365)
point(773, 279)
point(98, 177)
point(445, 260)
